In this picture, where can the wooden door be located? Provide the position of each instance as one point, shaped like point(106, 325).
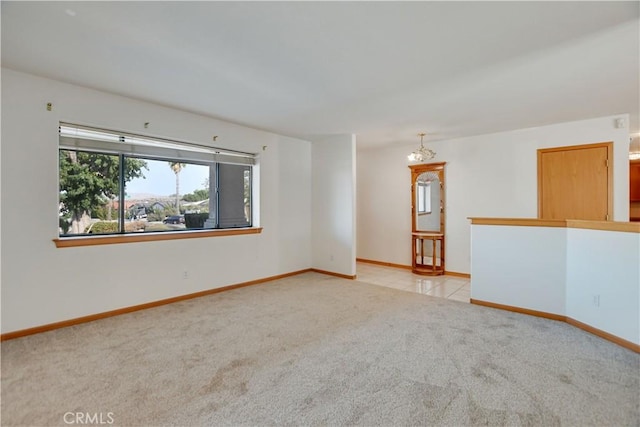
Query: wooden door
point(634, 181)
point(575, 182)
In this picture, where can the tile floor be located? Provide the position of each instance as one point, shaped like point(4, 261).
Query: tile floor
point(454, 288)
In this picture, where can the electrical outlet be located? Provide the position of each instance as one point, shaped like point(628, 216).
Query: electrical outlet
point(596, 300)
point(331, 257)
point(185, 274)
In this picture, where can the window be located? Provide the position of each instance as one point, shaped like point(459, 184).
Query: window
point(424, 197)
point(114, 183)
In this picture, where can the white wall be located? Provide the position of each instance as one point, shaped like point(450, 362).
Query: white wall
point(603, 281)
point(520, 266)
point(486, 176)
point(384, 206)
point(333, 204)
point(591, 276)
point(42, 284)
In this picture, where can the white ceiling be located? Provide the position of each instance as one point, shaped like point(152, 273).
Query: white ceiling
point(381, 70)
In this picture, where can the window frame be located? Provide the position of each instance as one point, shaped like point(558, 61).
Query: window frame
point(107, 142)
point(111, 239)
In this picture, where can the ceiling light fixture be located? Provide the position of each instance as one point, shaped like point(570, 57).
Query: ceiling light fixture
point(422, 154)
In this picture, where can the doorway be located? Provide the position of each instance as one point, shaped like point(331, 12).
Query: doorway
point(576, 182)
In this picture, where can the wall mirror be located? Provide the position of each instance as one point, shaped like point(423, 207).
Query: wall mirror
point(428, 218)
point(427, 195)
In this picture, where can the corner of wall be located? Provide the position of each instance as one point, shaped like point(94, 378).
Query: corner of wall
point(333, 204)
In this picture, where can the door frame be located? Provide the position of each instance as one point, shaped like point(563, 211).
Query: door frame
point(608, 145)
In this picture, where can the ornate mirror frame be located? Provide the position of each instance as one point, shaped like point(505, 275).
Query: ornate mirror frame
point(416, 171)
point(428, 264)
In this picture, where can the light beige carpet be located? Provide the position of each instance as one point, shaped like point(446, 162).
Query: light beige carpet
point(317, 350)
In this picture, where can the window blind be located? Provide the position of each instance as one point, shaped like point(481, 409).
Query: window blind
point(75, 137)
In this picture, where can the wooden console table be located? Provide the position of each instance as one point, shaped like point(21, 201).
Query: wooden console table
point(435, 263)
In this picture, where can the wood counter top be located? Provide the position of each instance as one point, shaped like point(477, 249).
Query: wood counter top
point(628, 227)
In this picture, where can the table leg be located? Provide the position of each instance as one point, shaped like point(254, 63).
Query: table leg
point(434, 255)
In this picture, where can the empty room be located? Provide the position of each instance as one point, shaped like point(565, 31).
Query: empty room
point(320, 213)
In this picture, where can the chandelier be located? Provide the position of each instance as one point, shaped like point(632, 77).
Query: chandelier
point(422, 154)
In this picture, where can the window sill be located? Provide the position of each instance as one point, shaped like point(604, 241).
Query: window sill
point(71, 242)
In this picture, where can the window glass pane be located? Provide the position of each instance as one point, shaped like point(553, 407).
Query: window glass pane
point(423, 195)
point(421, 198)
point(247, 195)
point(169, 196)
point(427, 198)
point(234, 195)
point(89, 189)
point(119, 183)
